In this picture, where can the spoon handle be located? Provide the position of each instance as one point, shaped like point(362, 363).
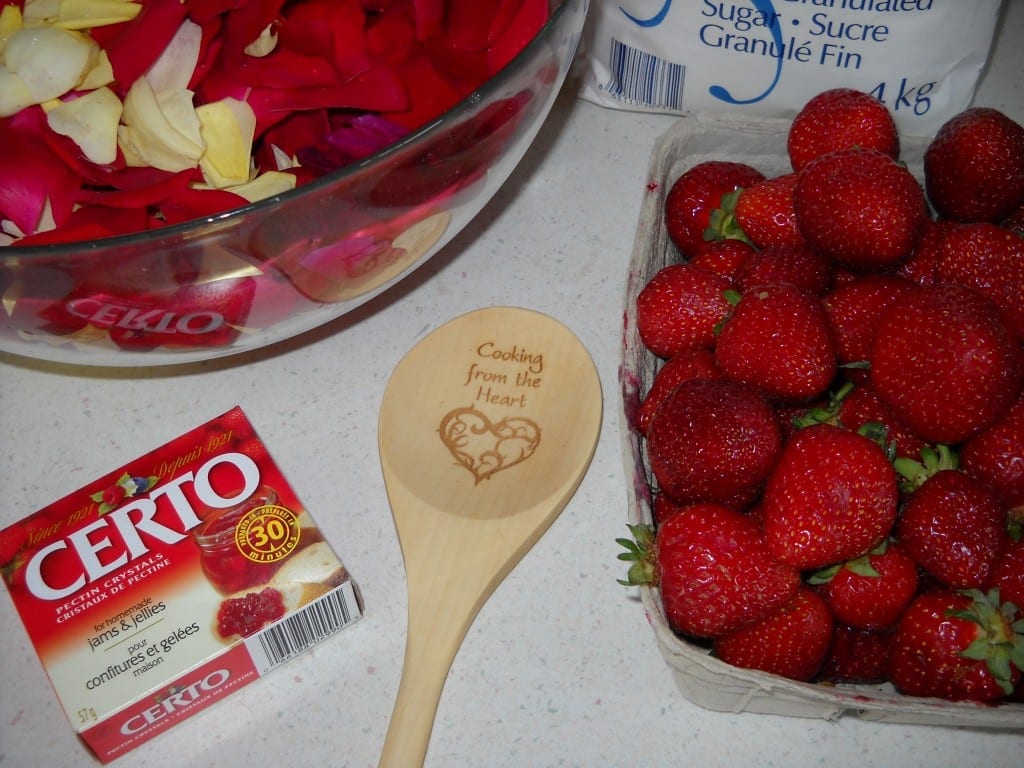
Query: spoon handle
point(430, 647)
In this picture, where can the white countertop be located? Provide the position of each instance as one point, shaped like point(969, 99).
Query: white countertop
point(560, 667)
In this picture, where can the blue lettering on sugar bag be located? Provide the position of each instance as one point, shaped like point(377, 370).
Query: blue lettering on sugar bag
point(653, 21)
point(766, 8)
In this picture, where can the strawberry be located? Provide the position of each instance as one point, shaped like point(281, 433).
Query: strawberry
point(921, 266)
point(795, 265)
point(696, 364)
point(862, 407)
point(764, 211)
point(974, 166)
point(831, 497)
point(777, 338)
point(840, 118)
point(990, 259)
point(871, 591)
point(860, 207)
point(679, 309)
point(957, 645)
point(712, 440)
point(857, 656)
point(712, 568)
point(954, 528)
point(995, 457)
point(853, 311)
point(1008, 575)
point(723, 257)
point(663, 507)
point(696, 194)
point(1015, 222)
point(792, 642)
point(943, 361)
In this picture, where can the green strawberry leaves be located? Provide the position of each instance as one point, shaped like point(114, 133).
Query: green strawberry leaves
point(1000, 643)
point(638, 551)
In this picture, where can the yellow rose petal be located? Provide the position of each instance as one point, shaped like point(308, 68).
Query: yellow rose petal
point(265, 185)
point(160, 130)
point(228, 127)
point(14, 95)
point(100, 74)
point(91, 122)
point(83, 14)
point(49, 61)
point(263, 45)
point(10, 22)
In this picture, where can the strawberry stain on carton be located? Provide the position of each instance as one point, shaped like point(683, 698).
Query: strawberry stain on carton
point(172, 581)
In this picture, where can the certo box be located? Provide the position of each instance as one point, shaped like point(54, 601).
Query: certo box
point(174, 580)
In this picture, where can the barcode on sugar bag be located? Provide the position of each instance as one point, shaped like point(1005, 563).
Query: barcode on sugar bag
point(306, 627)
point(641, 78)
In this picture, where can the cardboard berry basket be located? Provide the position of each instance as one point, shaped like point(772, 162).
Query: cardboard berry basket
point(701, 678)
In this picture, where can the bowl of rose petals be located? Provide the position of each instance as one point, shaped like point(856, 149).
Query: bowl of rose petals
point(189, 179)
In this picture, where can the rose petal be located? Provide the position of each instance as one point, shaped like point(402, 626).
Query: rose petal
point(87, 14)
point(49, 61)
point(99, 75)
point(14, 94)
point(160, 129)
point(156, 24)
point(430, 93)
point(189, 204)
point(430, 16)
point(474, 24)
point(227, 128)
point(91, 122)
point(138, 188)
point(530, 18)
point(266, 185)
point(32, 178)
point(173, 68)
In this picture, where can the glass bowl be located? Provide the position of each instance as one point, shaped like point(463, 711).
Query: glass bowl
point(276, 268)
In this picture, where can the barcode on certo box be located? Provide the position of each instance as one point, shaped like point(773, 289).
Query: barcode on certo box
point(641, 78)
point(306, 627)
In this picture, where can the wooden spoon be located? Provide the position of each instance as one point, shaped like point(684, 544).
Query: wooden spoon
point(487, 427)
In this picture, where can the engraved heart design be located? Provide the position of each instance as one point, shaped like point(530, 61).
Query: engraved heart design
point(485, 447)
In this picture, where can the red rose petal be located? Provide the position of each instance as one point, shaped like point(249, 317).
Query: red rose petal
point(155, 24)
point(31, 175)
point(530, 18)
point(474, 24)
point(430, 16)
point(191, 204)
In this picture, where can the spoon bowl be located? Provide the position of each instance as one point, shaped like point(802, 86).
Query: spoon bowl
point(486, 429)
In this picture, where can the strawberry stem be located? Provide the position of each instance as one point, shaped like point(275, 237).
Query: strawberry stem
point(639, 550)
point(1000, 643)
point(722, 224)
point(933, 460)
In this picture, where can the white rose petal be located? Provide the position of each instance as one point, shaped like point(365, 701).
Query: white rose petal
point(91, 122)
point(174, 67)
point(49, 61)
point(161, 130)
point(41, 11)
